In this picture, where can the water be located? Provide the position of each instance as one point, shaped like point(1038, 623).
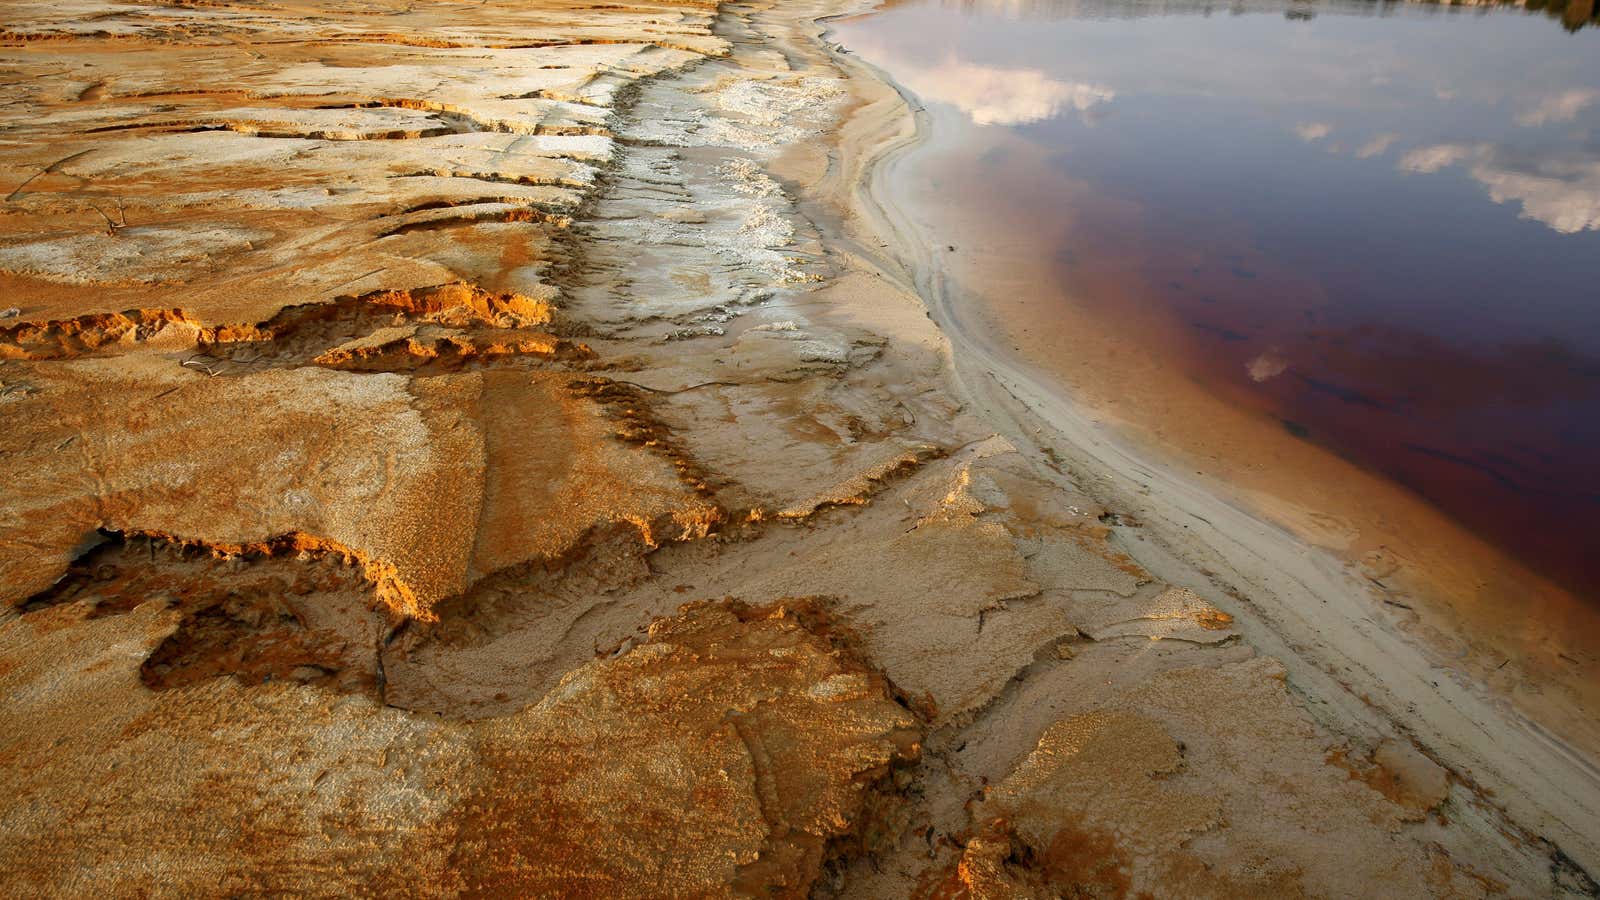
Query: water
point(1378, 225)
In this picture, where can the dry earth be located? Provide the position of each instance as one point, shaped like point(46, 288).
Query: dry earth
point(478, 449)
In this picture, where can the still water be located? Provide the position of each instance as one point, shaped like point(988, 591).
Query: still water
point(1378, 225)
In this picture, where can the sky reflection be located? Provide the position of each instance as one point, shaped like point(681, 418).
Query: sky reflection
point(1378, 223)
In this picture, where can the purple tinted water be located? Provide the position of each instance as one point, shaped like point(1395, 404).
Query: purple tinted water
point(1379, 224)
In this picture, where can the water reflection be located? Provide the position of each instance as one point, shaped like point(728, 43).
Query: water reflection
point(1562, 190)
point(1563, 107)
point(1380, 226)
point(1551, 178)
point(994, 95)
point(1571, 14)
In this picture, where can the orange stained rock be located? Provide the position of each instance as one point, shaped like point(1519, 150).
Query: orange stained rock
point(986, 870)
point(429, 484)
point(219, 199)
point(731, 751)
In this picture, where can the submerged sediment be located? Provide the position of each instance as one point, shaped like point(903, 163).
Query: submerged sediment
point(487, 448)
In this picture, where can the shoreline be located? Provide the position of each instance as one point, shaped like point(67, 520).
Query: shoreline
point(1300, 603)
point(1126, 364)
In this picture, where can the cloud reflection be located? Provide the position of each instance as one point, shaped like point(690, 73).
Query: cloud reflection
point(1564, 195)
point(1377, 146)
point(1563, 192)
point(1434, 158)
point(991, 95)
point(1563, 107)
point(1311, 132)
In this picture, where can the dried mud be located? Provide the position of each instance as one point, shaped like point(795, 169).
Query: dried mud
point(483, 449)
